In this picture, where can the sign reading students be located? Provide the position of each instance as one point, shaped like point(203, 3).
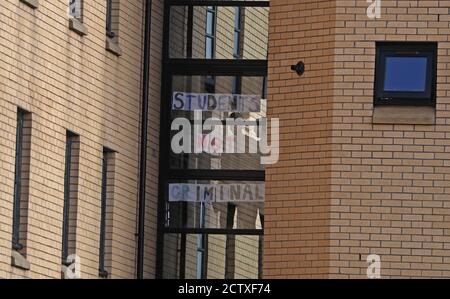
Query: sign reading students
point(188, 101)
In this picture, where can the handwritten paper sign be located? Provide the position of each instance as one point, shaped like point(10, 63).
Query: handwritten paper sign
point(216, 193)
point(187, 101)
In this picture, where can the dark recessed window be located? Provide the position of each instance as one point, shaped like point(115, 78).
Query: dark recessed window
point(21, 181)
point(237, 47)
point(70, 208)
point(406, 74)
point(108, 164)
point(109, 19)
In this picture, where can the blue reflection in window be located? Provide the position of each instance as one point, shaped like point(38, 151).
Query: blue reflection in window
point(405, 74)
point(209, 48)
point(210, 23)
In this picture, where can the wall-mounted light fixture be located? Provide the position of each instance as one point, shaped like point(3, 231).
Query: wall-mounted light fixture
point(299, 68)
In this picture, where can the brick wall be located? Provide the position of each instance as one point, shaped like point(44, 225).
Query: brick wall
point(390, 182)
point(153, 138)
point(298, 188)
point(69, 82)
point(383, 187)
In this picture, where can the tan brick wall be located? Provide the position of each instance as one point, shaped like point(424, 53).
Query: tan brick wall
point(70, 82)
point(153, 138)
point(390, 184)
point(387, 184)
point(298, 188)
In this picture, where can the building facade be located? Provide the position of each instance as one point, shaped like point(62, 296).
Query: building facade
point(215, 62)
point(134, 139)
point(364, 145)
point(70, 97)
point(78, 199)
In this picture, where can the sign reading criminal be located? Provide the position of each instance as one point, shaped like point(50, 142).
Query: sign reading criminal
point(216, 193)
point(215, 102)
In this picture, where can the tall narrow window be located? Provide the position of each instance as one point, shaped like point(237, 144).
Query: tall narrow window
point(112, 18)
point(210, 81)
point(70, 195)
point(76, 17)
point(75, 8)
point(210, 36)
point(237, 45)
point(107, 193)
point(21, 180)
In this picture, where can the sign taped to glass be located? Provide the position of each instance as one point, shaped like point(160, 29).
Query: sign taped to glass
point(219, 193)
point(187, 101)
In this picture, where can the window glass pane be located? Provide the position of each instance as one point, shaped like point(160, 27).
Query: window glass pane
point(178, 32)
point(195, 256)
point(217, 253)
point(224, 256)
point(75, 8)
point(253, 24)
point(202, 98)
point(209, 48)
point(171, 256)
point(236, 43)
point(237, 18)
point(246, 259)
point(210, 23)
point(405, 74)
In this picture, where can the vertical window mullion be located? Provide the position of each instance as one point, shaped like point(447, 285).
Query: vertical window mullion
point(201, 244)
point(264, 88)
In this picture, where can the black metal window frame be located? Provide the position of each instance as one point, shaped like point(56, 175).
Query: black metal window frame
point(109, 19)
point(210, 35)
point(405, 49)
point(16, 245)
point(197, 67)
